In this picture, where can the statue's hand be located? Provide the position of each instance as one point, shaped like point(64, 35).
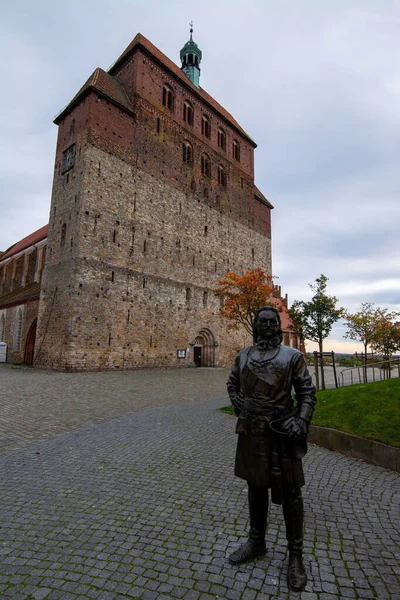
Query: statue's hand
point(237, 403)
point(298, 428)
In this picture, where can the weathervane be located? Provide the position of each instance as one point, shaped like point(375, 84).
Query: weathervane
point(191, 30)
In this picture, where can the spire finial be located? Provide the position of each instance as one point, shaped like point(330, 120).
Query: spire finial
point(191, 59)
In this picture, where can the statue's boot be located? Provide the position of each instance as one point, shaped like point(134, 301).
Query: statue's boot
point(255, 545)
point(294, 517)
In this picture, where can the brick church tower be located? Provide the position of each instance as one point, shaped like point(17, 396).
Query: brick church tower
point(153, 202)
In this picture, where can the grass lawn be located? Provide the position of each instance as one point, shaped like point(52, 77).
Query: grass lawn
point(369, 410)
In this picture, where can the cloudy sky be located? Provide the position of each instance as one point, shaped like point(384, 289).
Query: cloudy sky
point(316, 84)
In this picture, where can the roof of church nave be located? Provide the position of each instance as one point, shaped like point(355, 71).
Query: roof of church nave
point(105, 83)
point(29, 240)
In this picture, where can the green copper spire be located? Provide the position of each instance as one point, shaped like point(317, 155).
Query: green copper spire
point(191, 58)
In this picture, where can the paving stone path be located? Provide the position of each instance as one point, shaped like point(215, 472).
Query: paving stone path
point(134, 497)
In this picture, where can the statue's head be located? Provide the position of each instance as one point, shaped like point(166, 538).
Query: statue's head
point(267, 325)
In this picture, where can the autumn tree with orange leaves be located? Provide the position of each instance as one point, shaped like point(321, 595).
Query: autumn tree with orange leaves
point(243, 295)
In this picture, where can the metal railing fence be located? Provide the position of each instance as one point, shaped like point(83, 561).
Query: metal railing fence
point(378, 371)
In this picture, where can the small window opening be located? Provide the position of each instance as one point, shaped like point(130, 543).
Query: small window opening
point(187, 153)
point(63, 234)
point(188, 113)
point(221, 176)
point(205, 127)
point(236, 150)
point(168, 97)
point(221, 139)
point(205, 165)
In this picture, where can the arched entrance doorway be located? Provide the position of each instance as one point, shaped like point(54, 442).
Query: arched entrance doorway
point(204, 349)
point(30, 344)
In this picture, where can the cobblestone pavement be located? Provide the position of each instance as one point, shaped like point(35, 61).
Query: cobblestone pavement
point(38, 404)
point(145, 505)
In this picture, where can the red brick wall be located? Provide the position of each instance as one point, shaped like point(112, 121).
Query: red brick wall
point(159, 153)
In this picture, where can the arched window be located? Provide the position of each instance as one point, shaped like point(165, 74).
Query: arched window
point(236, 150)
point(2, 327)
point(188, 112)
point(190, 59)
point(205, 126)
point(63, 234)
point(18, 331)
point(168, 97)
point(221, 176)
point(221, 139)
point(187, 153)
point(205, 165)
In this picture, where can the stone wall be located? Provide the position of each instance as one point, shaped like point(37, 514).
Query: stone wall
point(138, 238)
point(139, 285)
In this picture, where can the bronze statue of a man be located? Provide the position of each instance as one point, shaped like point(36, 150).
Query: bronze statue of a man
point(272, 436)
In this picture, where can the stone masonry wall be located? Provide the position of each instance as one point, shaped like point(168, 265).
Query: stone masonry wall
point(138, 238)
point(141, 284)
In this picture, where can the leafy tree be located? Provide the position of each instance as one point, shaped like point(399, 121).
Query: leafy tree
point(243, 295)
point(296, 318)
point(386, 335)
point(314, 319)
point(361, 327)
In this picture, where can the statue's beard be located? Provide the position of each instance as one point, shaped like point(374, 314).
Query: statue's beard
point(271, 342)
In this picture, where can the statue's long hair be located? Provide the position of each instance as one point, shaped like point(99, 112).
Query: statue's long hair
point(279, 337)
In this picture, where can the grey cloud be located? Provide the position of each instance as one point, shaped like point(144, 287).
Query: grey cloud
point(316, 84)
